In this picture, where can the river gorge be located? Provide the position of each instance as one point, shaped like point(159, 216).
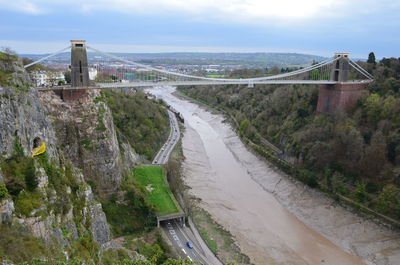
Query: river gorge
point(274, 219)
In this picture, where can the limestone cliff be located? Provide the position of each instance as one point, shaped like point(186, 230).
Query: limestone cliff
point(21, 113)
point(48, 196)
point(85, 131)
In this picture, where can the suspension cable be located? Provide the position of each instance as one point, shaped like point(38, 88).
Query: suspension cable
point(47, 57)
point(361, 70)
point(312, 67)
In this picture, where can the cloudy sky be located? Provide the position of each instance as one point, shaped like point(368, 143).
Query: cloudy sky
point(310, 26)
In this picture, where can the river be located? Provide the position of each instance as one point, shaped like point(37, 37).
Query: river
point(275, 220)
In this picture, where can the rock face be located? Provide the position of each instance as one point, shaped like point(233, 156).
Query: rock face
point(85, 130)
point(64, 227)
point(22, 116)
point(6, 211)
point(80, 132)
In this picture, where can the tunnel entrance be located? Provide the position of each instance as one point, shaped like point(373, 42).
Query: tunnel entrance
point(165, 219)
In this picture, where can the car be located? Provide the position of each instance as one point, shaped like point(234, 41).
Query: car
point(189, 244)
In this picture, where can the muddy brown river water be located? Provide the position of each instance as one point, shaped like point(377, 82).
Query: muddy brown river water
point(274, 219)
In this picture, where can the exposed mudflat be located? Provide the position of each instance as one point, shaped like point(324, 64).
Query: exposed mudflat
point(275, 220)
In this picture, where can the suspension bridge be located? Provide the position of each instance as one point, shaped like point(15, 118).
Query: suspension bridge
point(336, 75)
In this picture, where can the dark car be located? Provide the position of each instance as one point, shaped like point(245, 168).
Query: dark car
point(189, 244)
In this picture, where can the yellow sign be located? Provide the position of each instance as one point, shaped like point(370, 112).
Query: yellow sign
point(39, 150)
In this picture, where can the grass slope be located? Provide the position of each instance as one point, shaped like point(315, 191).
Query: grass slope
point(152, 181)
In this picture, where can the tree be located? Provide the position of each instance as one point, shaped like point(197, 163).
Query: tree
point(8, 55)
point(67, 77)
point(371, 58)
point(8, 51)
point(389, 200)
point(375, 156)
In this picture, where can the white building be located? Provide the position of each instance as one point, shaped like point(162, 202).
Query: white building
point(92, 73)
point(47, 78)
point(39, 79)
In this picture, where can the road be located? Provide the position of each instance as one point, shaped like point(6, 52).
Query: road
point(172, 229)
point(174, 135)
point(179, 241)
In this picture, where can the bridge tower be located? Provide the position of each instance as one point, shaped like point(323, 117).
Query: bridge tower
point(79, 73)
point(343, 95)
point(79, 64)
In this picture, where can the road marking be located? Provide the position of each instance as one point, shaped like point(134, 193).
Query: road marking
point(183, 251)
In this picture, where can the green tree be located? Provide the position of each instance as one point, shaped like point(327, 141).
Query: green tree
point(3, 190)
point(389, 200)
point(375, 156)
point(373, 107)
point(361, 192)
point(243, 127)
point(371, 58)
point(67, 77)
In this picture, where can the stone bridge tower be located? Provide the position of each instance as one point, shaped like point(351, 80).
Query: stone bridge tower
point(79, 64)
point(343, 95)
point(79, 73)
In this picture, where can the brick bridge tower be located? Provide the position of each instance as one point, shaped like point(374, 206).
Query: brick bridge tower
point(343, 95)
point(79, 73)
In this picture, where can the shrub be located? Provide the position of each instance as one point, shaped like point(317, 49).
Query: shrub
point(3, 190)
point(111, 256)
point(18, 245)
point(153, 252)
point(19, 173)
point(308, 178)
point(30, 175)
point(361, 192)
point(15, 186)
point(389, 200)
point(26, 202)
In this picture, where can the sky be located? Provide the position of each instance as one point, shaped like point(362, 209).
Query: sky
point(319, 27)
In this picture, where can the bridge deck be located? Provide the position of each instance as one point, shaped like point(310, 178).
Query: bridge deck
point(199, 83)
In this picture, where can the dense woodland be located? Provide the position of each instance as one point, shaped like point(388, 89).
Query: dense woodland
point(143, 122)
point(355, 154)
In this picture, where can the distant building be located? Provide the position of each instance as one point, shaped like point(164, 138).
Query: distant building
point(92, 73)
point(39, 79)
point(47, 78)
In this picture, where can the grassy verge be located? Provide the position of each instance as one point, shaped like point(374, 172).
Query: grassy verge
point(152, 181)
